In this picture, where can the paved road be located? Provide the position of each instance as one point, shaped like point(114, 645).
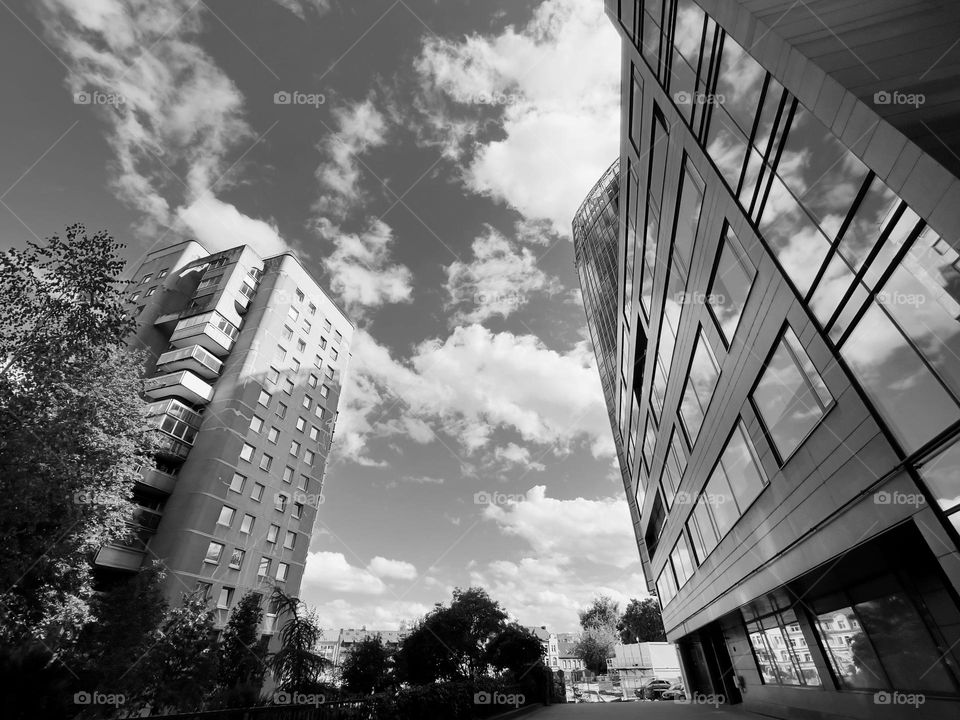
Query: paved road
point(634, 711)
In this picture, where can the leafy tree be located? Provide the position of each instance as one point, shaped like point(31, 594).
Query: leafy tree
point(641, 622)
point(450, 642)
point(514, 649)
point(599, 623)
point(368, 668)
point(296, 665)
point(75, 430)
point(594, 653)
point(243, 653)
point(604, 613)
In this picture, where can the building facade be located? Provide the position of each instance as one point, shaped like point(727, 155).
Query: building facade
point(245, 358)
point(788, 314)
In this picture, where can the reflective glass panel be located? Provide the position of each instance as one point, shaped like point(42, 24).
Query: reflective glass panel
point(701, 383)
point(731, 285)
point(942, 477)
point(851, 656)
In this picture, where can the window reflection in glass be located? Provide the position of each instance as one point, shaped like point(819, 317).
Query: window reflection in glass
point(851, 656)
point(942, 477)
point(791, 397)
point(630, 244)
point(702, 531)
point(735, 483)
point(731, 284)
point(666, 585)
point(727, 146)
point(674, 465)
point(686, 53)
point(702, 381)
point(649, 442)
point(636, 109)
point(682, 561)
point(652, 20)
point(740, 82)
point(688, 216)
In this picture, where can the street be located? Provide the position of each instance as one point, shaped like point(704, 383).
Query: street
point(644, 710)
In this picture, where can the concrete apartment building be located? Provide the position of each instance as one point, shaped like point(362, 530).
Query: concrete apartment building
point(788, 346)
point(245, 360)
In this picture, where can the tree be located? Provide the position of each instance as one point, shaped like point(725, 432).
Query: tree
point(243, 654)
point(604, 613)
point(641, 622)
point(594, 653)
point(296, 665)
point(514, 649)
point(75, 433)
point(368, 668)
point(599, 623)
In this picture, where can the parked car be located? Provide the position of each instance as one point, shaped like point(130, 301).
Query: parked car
point(675, 692)
point(651, 689)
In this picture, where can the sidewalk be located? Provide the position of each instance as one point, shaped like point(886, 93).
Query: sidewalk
point(637, 710)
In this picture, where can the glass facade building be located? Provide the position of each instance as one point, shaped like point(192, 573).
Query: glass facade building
point(788, 347)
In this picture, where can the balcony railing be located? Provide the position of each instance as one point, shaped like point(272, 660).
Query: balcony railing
point(194, 358)
point(170, 447)
point(210, 330)
point(184, 385)
point(121, 558)
point(158, 479)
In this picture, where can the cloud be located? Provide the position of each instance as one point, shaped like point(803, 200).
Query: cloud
point(599, 531)
point(219, 226)
point(551, 89)
point(360, 127)
point(331, 571)
point(361, 272)
point(498, 281)
point(514, 455)
point(392, 569)
point(381, 614)
point(301, 7)
point(175, 115)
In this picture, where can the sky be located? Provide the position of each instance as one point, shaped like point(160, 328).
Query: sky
point(424, 159)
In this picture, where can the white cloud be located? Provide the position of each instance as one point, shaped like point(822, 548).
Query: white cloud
point(382, 614)
point(332, 571)
point(599, 531)
point(498, 281)
point(559, 78)
point(220, 226)
point(361, 273)
point(513, 454)
point(301, 7)
point(392, 569)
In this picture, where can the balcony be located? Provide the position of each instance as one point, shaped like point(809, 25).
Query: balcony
point(120, 558)
point(184, 385)
point(193, 358)
point(170, 448)
point(210, 330)
point(158, 480)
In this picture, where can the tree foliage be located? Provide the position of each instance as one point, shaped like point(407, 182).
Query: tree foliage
point(243, 654)
point(296, 665)
point(368, 668)
point(641, 622)
point(599, 623)
point(515, 650)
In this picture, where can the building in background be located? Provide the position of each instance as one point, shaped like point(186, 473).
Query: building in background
point(245, 360)
point(788, 360)
point(636, 663)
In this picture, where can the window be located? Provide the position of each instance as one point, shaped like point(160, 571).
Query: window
point(673, 468)
point(288, 474)
point(256, 423)
point(790, 397)
point(312, 380)
point(301, 424)
point(294, 448)
point(301, 345)
point(280, 502)
point(774, 650)
point(287, 333)
point(304, 482)
point(334, 353)
point(314, 432)
point(264, 398)
point(263, 571)
point(281, 410)
point(146, 278)
point(273, 375)
point(257, 494)
point(265, 462)
point(307, 326)
point(288, 386)
point(323, 343)
point(732, 280)
point(300, 297)
point(236, 483)
point(318, 411)
point(682, 561)
point(308, 457)
point(297, 511)
point(290, 540)
point(246, 525)
point(324, 391)
point(282, 569)
point(225, 598)
point(337, 337)
point(135, 296)
point(214, 551)
point(328, 372)
point(296, 365)
point(236, 559)
point(941, 474)
point(246, 452)
point(666, 585)
point(293, 313)
point(312, 309)
point(150, 292)
point(701, 383)
point(162, 273)
point(636, 110)
point(272, 435)
point(272, 533)
point(226, 516)
point(281, 354)
point(326, 325)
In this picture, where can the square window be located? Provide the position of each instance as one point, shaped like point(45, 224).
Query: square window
point(287, 333)
point(308, 457)
point(236, 483)
point(307, 401)
point(264, 569)
point(312, 380)
point(293, 314)
point(256, 423)
point(791, 397)
point(146, 279)
point(323, 344)
point(226, 516)
point(282, 569)
point(296, 365)
point(281, 410)
point(272, 435)
point(265, 462)
point(733, 278)
point(246, 452)
point(288, 386)
point(272, 533)
point(214, 551)
point(162, 274)
point(280, 502)
point(324, 391)
point(135, 296)
point(288, 474)
point(326, 325)
point(281, 353)
point(297, 511)
point(273, 375)
point(257, 494)
point(328, 372)
point(294, 448)
point(289, 540)
point(334, 354)
point(337, 337)
point(301, 345)
point(300, 295)
point(150, 292)
point(301, 424)
point(236, 559)
point(307, 326)
point(312, 309)
point(303, 483)
point(246, 525)
point(314, 432)
point(319, 411)
point(318, 361)
point(264, 398)
point(225, 598)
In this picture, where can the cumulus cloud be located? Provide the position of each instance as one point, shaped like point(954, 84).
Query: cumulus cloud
point(553, 86)
point(300, 8)
point(497, 281)
point(393, 569)
point(332, 571)
point(515, 455)
point(219, 226)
